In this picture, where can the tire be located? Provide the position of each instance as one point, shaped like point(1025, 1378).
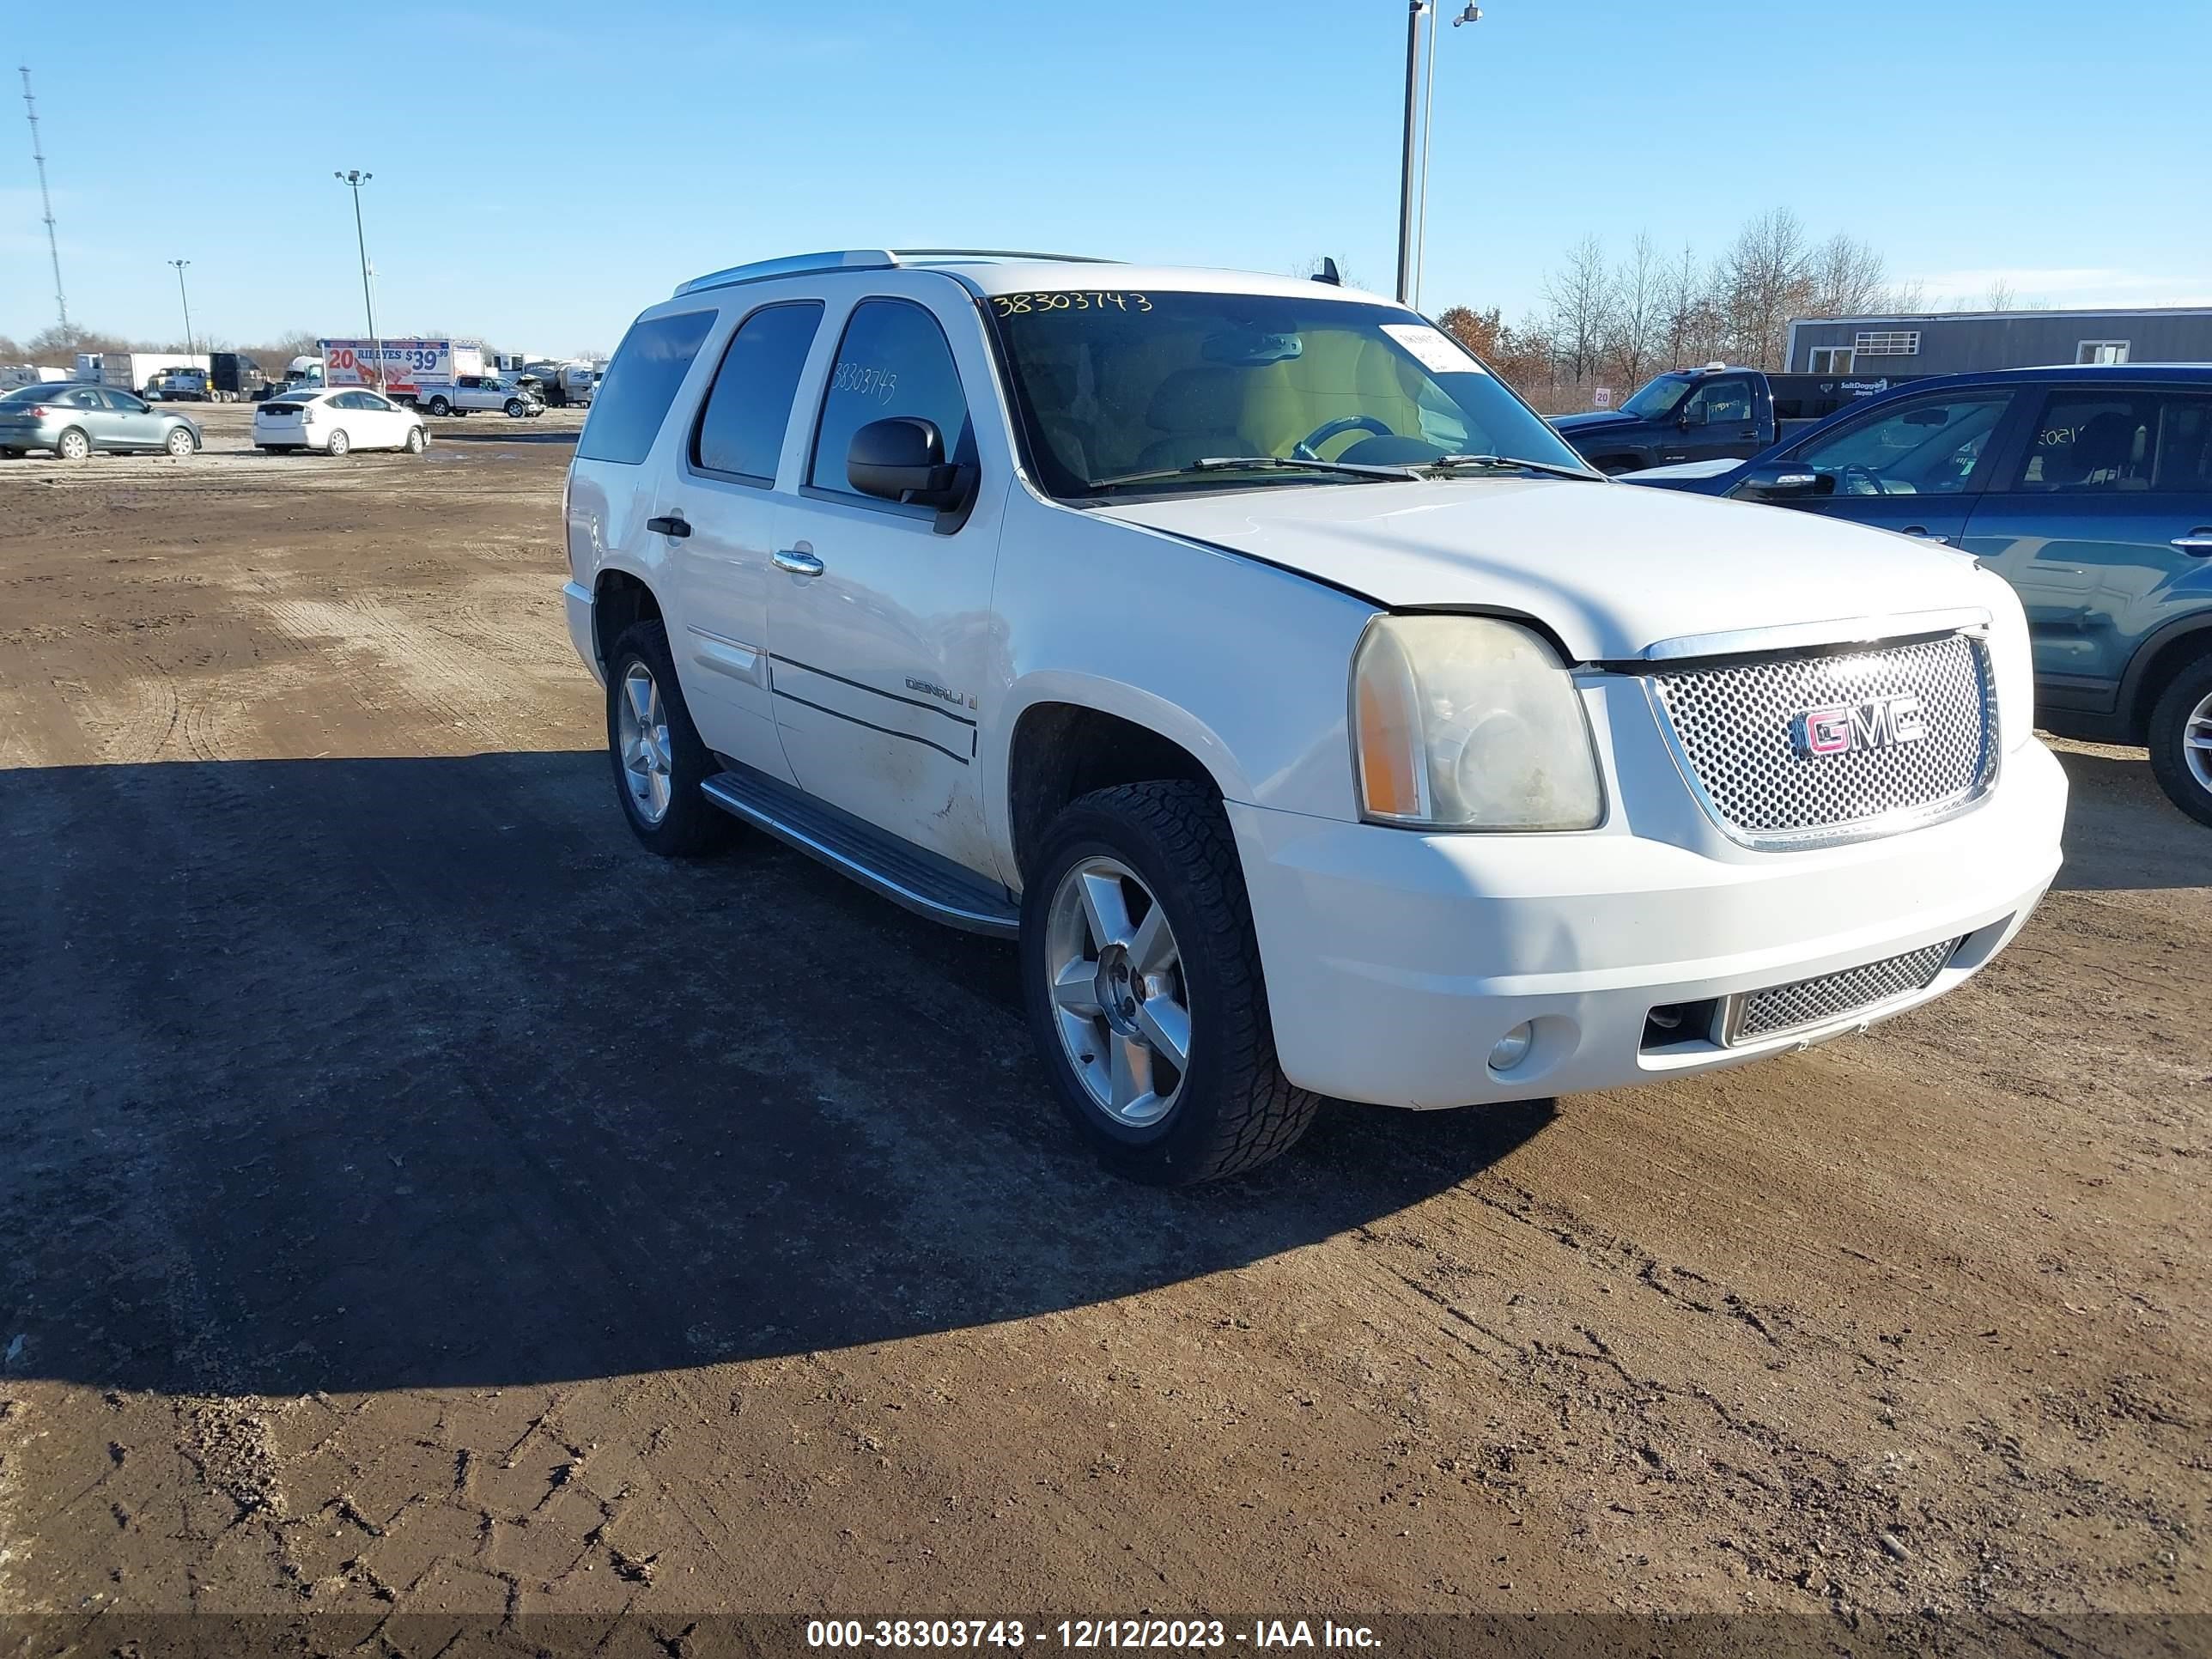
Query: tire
point(1230, 1108)
point(414, 441)
point(516, 409)
point(11, 454)
point(671, 818)
point(2180, 738)
point(440, 406)
point(73, 445)
point(180, 443)
point(338, 443)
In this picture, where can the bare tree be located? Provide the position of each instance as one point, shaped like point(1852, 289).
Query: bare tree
point(1901, 298)
point(1580, 299)
point(1639, 309)
point(1848, 278)
point(2001, 296)
point(1765, 278)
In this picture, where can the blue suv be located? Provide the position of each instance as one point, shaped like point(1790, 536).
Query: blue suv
point(2088, 489)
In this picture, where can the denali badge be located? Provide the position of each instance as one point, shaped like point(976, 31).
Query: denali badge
point(1876, 725)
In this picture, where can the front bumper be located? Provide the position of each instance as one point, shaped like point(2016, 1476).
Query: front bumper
point(1395, 961)
point(581, 633)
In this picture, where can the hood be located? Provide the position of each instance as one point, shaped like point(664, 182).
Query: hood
point(1597, 420)
point(1609, 569)
point(1710, 478)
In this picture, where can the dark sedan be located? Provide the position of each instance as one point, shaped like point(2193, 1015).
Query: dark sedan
point(2088, 489)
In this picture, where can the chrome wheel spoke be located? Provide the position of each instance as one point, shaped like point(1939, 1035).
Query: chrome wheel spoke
point(1076, 990)
point(1165, 1026)
point(1152, 946)
point(1130, 1065)
point(1104, 908)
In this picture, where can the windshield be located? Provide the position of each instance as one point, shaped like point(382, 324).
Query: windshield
point(1658, 398)
point(1111, 384)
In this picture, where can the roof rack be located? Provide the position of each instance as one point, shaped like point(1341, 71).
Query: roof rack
point(866, 260)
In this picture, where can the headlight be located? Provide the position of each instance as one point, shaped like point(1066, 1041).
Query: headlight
point(1468, 723)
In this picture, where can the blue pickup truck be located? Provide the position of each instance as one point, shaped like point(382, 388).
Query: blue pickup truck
point(2088, 489)
point(1716, 412)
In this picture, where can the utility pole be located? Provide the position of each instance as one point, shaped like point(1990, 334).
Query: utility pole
point(46, 200)
point(1415, 10)
point(181, 294)
point(1413, 171)
point(354, 180)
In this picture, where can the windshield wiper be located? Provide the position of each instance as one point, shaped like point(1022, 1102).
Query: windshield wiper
point(1252, 463)
point(1445, 463)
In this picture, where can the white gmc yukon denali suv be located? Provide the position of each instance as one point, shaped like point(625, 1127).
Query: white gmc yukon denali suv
point(1316, 721)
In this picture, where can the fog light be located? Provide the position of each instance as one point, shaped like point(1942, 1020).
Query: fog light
point(1513, 1047)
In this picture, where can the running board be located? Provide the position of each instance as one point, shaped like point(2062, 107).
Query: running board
point(905, 874)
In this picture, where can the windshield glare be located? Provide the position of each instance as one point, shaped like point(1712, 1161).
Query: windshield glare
point(1114, 382)
point(1657, 400)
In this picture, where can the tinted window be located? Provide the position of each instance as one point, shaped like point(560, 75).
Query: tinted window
point(1927, 447)
point(125, 402)
point(633, 400)
point(892, 361)
point(83, 397)
point(2110, 442)
point(741, 430)
point(1722, 401)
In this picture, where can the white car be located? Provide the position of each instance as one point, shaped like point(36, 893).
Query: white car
point(335, 420)
point(1318, 722)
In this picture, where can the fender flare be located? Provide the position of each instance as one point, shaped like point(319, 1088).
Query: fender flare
point(2131, 678)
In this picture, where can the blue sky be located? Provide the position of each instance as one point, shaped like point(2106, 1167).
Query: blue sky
point(544, 170)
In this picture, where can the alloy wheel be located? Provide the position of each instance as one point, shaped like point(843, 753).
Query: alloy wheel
point(1119, 998)
point(642, 735)
point(2196, 743)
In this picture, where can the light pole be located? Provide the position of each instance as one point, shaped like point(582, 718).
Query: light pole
point(186, 298)
point(1413, 169)
point(354, 180)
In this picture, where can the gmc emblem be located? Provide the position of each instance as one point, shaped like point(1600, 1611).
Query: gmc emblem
point(1880, 724)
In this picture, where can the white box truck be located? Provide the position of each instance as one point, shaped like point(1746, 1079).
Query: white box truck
point(131, 371)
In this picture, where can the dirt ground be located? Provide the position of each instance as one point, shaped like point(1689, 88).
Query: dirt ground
point(418, 1203)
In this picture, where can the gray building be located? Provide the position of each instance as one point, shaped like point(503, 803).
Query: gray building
point(1952, 342)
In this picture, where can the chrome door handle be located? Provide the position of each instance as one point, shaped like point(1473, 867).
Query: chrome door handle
point(800, 561)
point(2198, 542)
point(1921, 533)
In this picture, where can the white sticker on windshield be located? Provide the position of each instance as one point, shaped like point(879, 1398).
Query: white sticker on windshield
point(1433, 349)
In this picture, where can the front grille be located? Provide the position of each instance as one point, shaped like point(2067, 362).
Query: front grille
point(1734, 724)
point(1807, 1002)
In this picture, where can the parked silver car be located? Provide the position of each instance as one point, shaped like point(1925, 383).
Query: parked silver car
point(72, 420)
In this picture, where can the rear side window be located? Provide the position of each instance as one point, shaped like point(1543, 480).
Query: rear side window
point(2114, 442)
point(893, 361)
point(640, 383)
point(740, 433)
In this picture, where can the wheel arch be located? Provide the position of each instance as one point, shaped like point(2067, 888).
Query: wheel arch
point(620, 600)
point(2156, 663)
point(1070, 737)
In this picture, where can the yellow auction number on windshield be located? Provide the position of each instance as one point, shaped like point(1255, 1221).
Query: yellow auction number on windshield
point(1072, 299)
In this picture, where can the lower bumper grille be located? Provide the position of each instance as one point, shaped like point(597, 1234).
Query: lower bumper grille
point(1754, 1016)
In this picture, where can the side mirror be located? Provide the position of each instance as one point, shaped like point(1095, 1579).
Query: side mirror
point(1778, 481)
point(1693, 415)
point(903, 460)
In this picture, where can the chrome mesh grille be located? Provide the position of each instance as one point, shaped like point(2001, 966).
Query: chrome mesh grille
point(1732, 720)
point(1816, 1002)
